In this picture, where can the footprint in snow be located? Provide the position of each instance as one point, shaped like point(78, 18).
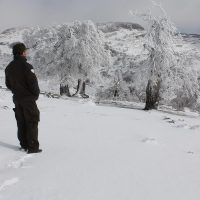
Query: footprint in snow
point(180, 123)
point(20, 162)
point(194, 127)
point(150, 141)
point(186, 126)
point(5, 107)
point(169, 120)
point(8, 183)
point(190, 152)
point(182, 126)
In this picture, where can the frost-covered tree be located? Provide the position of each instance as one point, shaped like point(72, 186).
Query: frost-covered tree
point(168, 69)
point(69, 52)
point(83, 54)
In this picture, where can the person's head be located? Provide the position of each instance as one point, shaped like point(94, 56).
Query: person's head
point(19, 49)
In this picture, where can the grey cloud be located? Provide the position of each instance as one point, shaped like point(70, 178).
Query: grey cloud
point(184, 13)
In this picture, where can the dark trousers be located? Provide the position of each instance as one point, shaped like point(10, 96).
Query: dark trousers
point(27, 116)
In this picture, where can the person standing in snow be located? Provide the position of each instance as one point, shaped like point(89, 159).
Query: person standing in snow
point(22, 81)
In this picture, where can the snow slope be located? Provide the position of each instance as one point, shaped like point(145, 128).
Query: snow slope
point(101, 153)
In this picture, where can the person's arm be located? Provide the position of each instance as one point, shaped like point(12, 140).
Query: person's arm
point(32, 81)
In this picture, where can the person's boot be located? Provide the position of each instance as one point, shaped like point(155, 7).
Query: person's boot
point(34, 151)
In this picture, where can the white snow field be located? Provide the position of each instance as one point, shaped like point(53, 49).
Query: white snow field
point(95, 152)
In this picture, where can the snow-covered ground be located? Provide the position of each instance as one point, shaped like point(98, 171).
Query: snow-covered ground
point(95, 152)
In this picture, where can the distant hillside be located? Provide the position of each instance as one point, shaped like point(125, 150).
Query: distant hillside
point(116, 26)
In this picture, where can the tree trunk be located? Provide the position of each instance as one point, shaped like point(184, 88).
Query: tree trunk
point(64, 90)
point(152, 95)
point(82, 91)
point(78, 87)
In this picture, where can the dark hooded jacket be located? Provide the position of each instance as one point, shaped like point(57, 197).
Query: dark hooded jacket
point(21, 79)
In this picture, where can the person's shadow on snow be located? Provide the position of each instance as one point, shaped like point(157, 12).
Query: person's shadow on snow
point(9, 146)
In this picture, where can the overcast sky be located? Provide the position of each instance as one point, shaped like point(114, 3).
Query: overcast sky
point(184, 13)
